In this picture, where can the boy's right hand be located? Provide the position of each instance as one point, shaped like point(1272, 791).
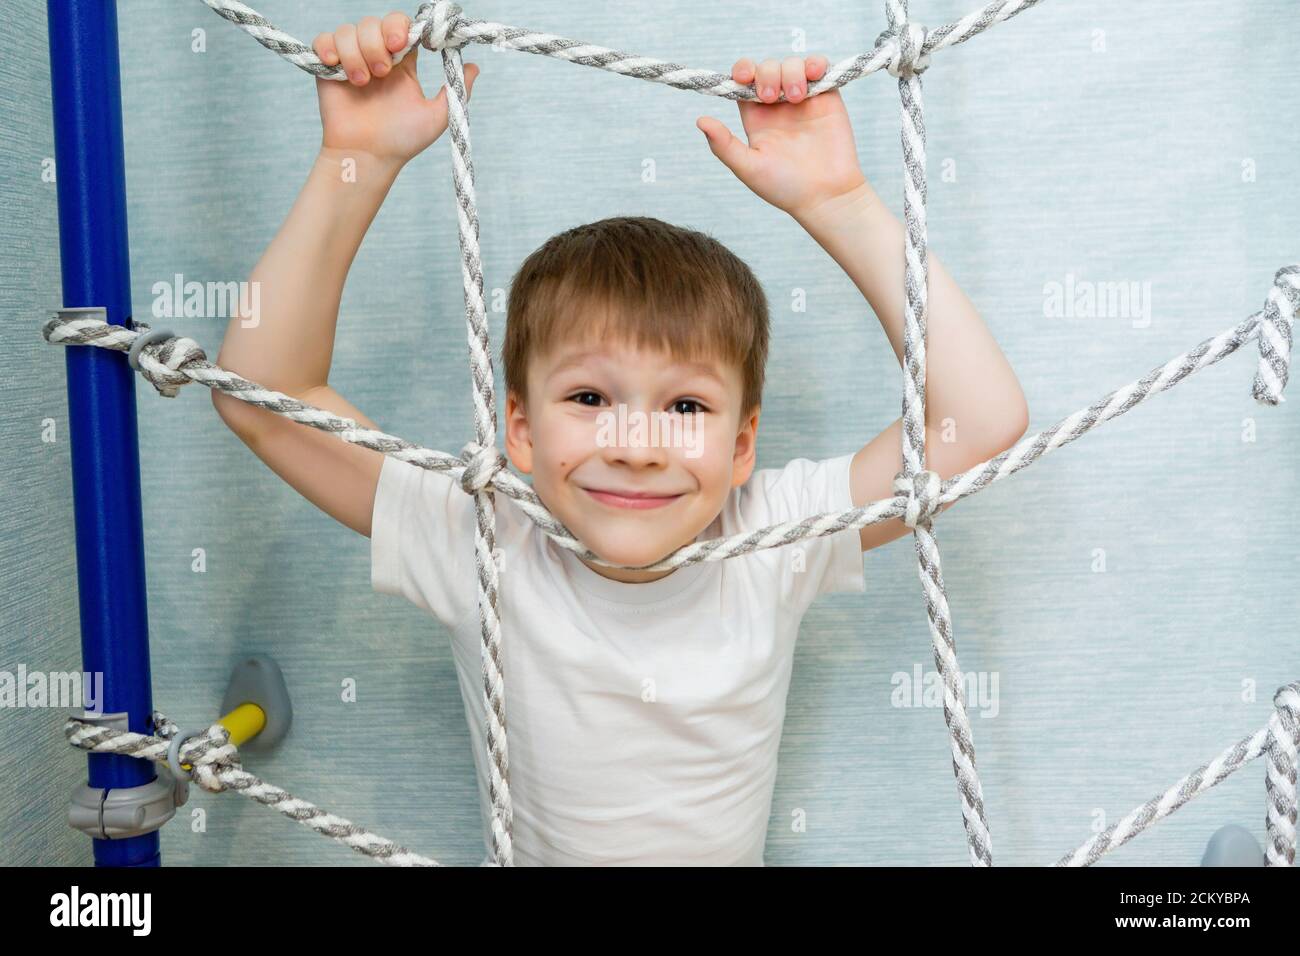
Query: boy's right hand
point(380, 109)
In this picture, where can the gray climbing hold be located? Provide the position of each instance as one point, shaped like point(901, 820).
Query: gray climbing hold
point(1233, 845)
point(257, 680)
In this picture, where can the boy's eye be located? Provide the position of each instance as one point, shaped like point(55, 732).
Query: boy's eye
point(683, 406)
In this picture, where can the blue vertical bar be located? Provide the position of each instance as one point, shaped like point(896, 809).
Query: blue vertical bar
point(91, 176)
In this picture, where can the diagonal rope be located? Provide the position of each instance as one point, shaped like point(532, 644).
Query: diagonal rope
point(1278, 738)
point(216, 768)
point(903, 49)
point(184, 361)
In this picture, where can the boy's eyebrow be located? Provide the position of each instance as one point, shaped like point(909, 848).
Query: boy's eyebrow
point(701, 367)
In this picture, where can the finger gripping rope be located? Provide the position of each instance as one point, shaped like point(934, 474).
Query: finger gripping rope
point(440, 29)
point(922, 490)
point(481, 466)
point(1275, 336)
point(904, 43)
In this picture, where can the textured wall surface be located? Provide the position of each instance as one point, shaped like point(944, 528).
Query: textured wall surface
point(39, 628)
point(1104, 142)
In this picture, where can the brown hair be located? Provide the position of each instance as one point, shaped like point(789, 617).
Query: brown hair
point(642, 282)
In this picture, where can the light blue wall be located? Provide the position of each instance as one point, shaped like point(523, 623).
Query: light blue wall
point(39, 627)
point(1116, 164)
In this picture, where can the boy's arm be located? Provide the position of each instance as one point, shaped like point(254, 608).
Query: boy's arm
point(288, 343)
point(801, 157)
point(371, 126)
point(974, 406)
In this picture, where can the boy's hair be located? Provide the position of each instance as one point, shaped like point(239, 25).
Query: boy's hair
point(644, 283)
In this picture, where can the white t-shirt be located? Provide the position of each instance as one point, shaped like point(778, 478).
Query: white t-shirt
point(643, 720)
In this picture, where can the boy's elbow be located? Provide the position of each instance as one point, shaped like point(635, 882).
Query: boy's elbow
point(1005, 431)
point(1017, 423)
point(236, 414)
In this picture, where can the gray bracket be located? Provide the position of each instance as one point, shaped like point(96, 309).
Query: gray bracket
point(92, 311)
point(115, 813)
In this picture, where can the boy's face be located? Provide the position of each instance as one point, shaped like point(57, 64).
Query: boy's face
point(633, 450)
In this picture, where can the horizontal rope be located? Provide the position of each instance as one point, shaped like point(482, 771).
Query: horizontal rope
point(442, 25)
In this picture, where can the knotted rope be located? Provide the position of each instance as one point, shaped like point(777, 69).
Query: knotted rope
point(903, 49)
point(921, 492)
point(440, 22)
point(904, 42)
point(216, 768)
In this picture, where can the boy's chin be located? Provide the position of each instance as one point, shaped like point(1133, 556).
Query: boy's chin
point(630, 557)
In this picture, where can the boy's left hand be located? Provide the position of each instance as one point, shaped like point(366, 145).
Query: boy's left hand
point(801, 152)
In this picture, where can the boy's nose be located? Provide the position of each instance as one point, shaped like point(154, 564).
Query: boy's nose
point(634, 438)
point(636, 451)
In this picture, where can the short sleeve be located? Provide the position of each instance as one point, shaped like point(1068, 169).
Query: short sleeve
point(422, 540)
point(814, 566)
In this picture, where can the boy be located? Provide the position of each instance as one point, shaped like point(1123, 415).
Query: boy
point(645, 708)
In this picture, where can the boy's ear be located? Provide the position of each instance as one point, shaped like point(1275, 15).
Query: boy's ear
point(519, 441)
point(746, 453)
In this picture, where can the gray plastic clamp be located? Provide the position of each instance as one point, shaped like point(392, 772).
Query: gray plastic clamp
point(91, 311)
point(112, 814)
point(182, 775)
point(145, 338)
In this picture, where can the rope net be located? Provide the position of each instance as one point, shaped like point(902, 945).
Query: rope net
point(903, 50)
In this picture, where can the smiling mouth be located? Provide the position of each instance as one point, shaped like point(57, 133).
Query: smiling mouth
point(636, 502)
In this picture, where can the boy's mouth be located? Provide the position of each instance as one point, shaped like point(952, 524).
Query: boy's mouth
point(635, 500)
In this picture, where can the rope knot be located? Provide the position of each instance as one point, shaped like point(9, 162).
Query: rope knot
point(161, 356)
point(442, 18)
point(905, 42)
point(208, 754)
point(922, 490)
point(1275, 336)
point(481, 466)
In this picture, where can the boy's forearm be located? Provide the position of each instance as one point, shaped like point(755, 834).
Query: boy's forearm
point(289, 344)
point(968, 379)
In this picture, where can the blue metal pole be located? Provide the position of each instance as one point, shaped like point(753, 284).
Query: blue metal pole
point(90, 171)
